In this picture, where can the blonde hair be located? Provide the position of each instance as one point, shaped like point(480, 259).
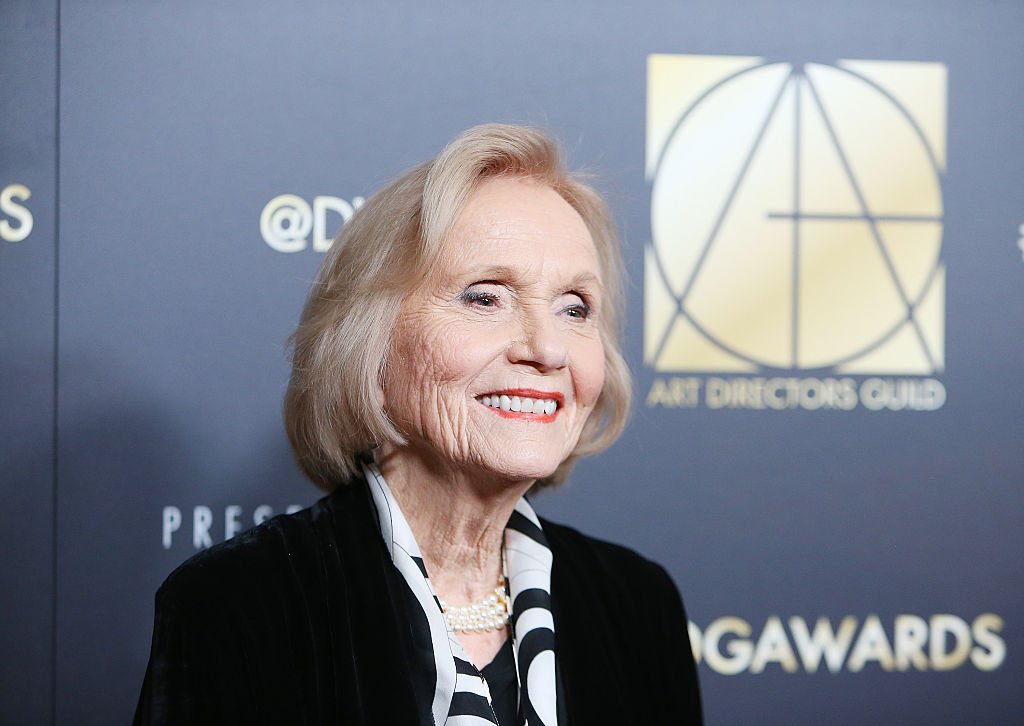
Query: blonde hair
point(332, 409)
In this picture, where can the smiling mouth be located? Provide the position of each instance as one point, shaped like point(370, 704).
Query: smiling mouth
point(524, 404)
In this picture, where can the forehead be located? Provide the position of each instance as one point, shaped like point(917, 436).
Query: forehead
point(519, 223)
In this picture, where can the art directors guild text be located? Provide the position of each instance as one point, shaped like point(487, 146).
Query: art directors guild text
point(787, 393)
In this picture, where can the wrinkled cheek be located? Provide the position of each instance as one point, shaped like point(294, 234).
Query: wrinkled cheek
point(426, 410)
point(446, 424)
point(408, 378)
point(415, 406)
point(405, 402)
point(589, 376)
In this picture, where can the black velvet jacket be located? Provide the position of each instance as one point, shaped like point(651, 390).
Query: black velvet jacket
point(303, 620)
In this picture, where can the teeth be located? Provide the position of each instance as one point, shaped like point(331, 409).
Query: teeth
point(545, 406)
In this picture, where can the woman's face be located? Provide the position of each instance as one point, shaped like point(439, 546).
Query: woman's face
point(497, 361)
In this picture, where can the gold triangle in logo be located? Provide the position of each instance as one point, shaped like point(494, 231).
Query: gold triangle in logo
point(913, 248)
point(920, 87)
point(900, 354)
point(688, 350)
point(931, 319)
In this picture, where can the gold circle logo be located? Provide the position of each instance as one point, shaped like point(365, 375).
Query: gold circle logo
point(796, 216)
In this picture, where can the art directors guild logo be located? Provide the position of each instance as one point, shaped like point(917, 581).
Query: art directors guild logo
point(796, 232)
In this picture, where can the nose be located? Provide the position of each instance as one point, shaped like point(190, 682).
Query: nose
point(540, 343)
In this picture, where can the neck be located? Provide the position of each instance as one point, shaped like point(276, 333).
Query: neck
point(458, 520)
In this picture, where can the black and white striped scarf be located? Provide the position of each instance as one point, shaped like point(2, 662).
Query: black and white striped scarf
point(461, 696)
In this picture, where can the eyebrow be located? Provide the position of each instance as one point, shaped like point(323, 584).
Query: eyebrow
point(503, 272)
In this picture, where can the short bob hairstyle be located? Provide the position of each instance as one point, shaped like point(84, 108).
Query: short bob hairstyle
point(332, 408)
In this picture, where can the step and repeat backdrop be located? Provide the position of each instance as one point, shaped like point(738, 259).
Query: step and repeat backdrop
point(823, 220)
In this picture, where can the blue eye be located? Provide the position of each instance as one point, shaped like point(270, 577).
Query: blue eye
point(577, 307)
point(580, 310)
point(479, 297)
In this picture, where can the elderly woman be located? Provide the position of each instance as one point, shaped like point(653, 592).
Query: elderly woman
point(458, 350)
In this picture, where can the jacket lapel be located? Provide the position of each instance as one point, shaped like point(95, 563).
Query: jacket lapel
point(584, 635)
point(370, 628)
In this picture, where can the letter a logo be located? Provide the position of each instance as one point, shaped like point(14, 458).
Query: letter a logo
point(796, 216)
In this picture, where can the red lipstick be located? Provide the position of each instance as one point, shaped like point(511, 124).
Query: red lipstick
point(558, 398)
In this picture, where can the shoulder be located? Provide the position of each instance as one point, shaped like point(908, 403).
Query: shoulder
point(614, 566)
point(608, 594)
point(282, 550)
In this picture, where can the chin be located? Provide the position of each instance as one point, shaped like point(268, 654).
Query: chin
point(527, 469)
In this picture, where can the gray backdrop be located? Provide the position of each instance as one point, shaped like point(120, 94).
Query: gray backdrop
point(145, 315)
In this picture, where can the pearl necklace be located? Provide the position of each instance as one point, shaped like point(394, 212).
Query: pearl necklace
point(491, 613)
